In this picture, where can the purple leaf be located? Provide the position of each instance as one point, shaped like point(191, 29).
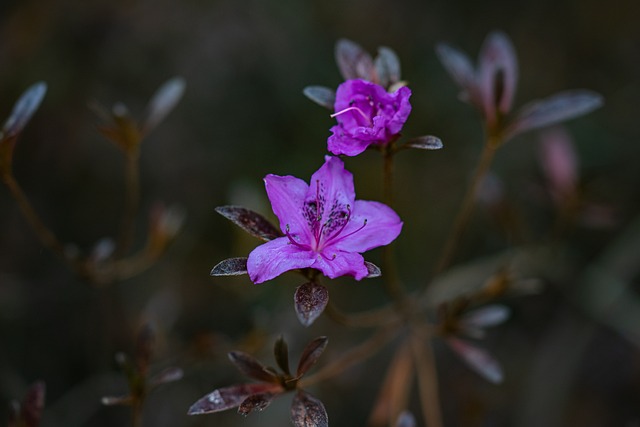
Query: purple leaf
point(427, 142)
point(230, 267)
point(229, 397)
point(310, 301)
point(281, 353)
point(387, 66)
point(479, 360)
point(251, 222)
point(167, 376)
point(406, 419)
point(459, 67)
point(24, 109)
point(321, 95)
point(251, 367)
point(373, 270)
point(310, 355)
point(483, 317)
point(557, 108)
point(256, 402)
point(307, 411)
point(353, 61)
point(163, 101)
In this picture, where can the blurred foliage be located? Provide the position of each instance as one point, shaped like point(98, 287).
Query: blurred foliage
point(243, 116)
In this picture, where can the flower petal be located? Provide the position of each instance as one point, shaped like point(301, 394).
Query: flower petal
point(287, 195)
point(335, 185)
point(335, 263)
point(383, 225)
point(275, 257)
point(342, 144)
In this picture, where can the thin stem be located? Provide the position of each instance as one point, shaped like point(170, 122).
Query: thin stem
point(351, 357)
point(390, 274)
point(427, 377)
point(466, 209)
point(46, 236)
point(132, 199)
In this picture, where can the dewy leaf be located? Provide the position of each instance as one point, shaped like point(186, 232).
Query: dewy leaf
point(387, 66)
point(310, 301)
point(251, 222)
point(477, 359)
point(310, 355)
point(281, 353)
point(427, 142)
point(557, 108)
point(230, 267)
point(307, 411)
point(353, 61)
point(163, 101)
point(256, 402)
point(321, 95)
point(373, 270)
point(251, 367)
point(24, 109)
point(229, 397)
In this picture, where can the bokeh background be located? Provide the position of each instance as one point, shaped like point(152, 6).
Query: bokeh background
point(570, 352)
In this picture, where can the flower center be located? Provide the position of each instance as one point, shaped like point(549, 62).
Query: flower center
point(327, 232)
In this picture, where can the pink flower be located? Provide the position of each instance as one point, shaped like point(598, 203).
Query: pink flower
point(325, 227)
point(367, 114)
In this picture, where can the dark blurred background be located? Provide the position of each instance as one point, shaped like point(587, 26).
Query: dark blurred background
point(567, 363)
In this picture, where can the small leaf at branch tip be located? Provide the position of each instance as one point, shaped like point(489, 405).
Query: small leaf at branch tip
point(164, 100)
point(230, 267)
point(373, 270)
point(426, 142)
point(321, 95)
point(251, 222)
point(310, 300)
point(24, 109)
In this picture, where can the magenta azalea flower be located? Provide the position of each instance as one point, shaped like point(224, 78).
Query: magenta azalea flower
point(325, 227)
point(367, 114)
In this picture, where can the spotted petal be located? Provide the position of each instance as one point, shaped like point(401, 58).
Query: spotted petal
point(275, 257)
point(335, 185)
